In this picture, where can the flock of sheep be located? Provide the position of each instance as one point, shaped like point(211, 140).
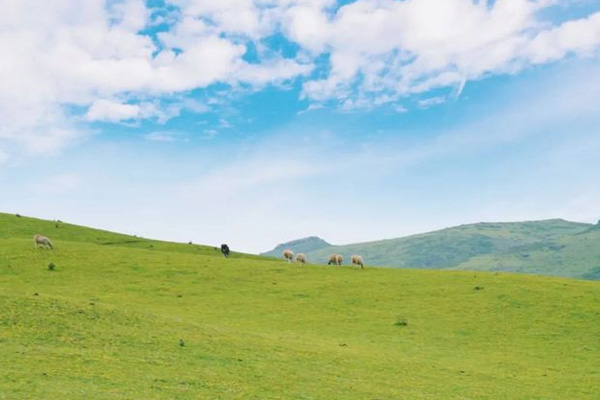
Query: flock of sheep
point(335, 259)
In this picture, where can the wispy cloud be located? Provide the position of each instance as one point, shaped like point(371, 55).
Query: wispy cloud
point(210, 134)
point(460, 88)
point(223, 123)
point(431, 101)
point(167, 136)
point(251, 174)
point(400, 108)
point(311, 107)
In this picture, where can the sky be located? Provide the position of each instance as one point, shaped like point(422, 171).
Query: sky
point(256, 122)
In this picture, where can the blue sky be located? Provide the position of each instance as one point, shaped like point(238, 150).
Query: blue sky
point(257, 122)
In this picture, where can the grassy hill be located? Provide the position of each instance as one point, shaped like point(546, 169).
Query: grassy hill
point(18, 227)
point(551, 247)
point(128, 318)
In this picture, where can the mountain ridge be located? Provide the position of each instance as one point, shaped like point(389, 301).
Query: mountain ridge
point(549, 247)
point(309, 243)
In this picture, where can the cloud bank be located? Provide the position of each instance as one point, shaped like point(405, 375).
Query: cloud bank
point(70, 63)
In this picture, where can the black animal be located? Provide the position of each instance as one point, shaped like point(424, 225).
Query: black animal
point(225, 250)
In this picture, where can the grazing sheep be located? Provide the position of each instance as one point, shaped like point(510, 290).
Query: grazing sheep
point(225, 250)
point(301, 258)
point(43, 241)
point(288, 255)
point(358, 260)
point(335, 259)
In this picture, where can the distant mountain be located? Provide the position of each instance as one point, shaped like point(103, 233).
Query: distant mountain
point(305, 245)
point(550, 247)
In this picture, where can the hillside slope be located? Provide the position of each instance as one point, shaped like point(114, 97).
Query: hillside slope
point(550, 247)
point(121, 322)
point(19, 227)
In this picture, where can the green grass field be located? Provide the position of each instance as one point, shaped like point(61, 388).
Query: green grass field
point(128, 318)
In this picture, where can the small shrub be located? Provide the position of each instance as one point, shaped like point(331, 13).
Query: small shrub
point(51, 267)
point(401, 322)
point(18, 215)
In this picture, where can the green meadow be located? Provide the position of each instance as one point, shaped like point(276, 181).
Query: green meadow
point(122, 317)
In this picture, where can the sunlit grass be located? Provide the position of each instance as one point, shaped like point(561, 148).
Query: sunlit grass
point(167, 322)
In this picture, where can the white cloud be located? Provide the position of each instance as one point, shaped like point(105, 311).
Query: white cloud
point(132, 15)
point(384, 49)
point(92, 54)
point(274, 71)
point(236, 17)
point(308, 26)
point(106, 110)
point(581, 37)
point(115, 111)
point(95, 55)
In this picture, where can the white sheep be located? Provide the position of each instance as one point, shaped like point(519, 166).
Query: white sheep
point(43, 241)
point(288, 255)
point(358, 260)
point(301, 258)
point(335, 259)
